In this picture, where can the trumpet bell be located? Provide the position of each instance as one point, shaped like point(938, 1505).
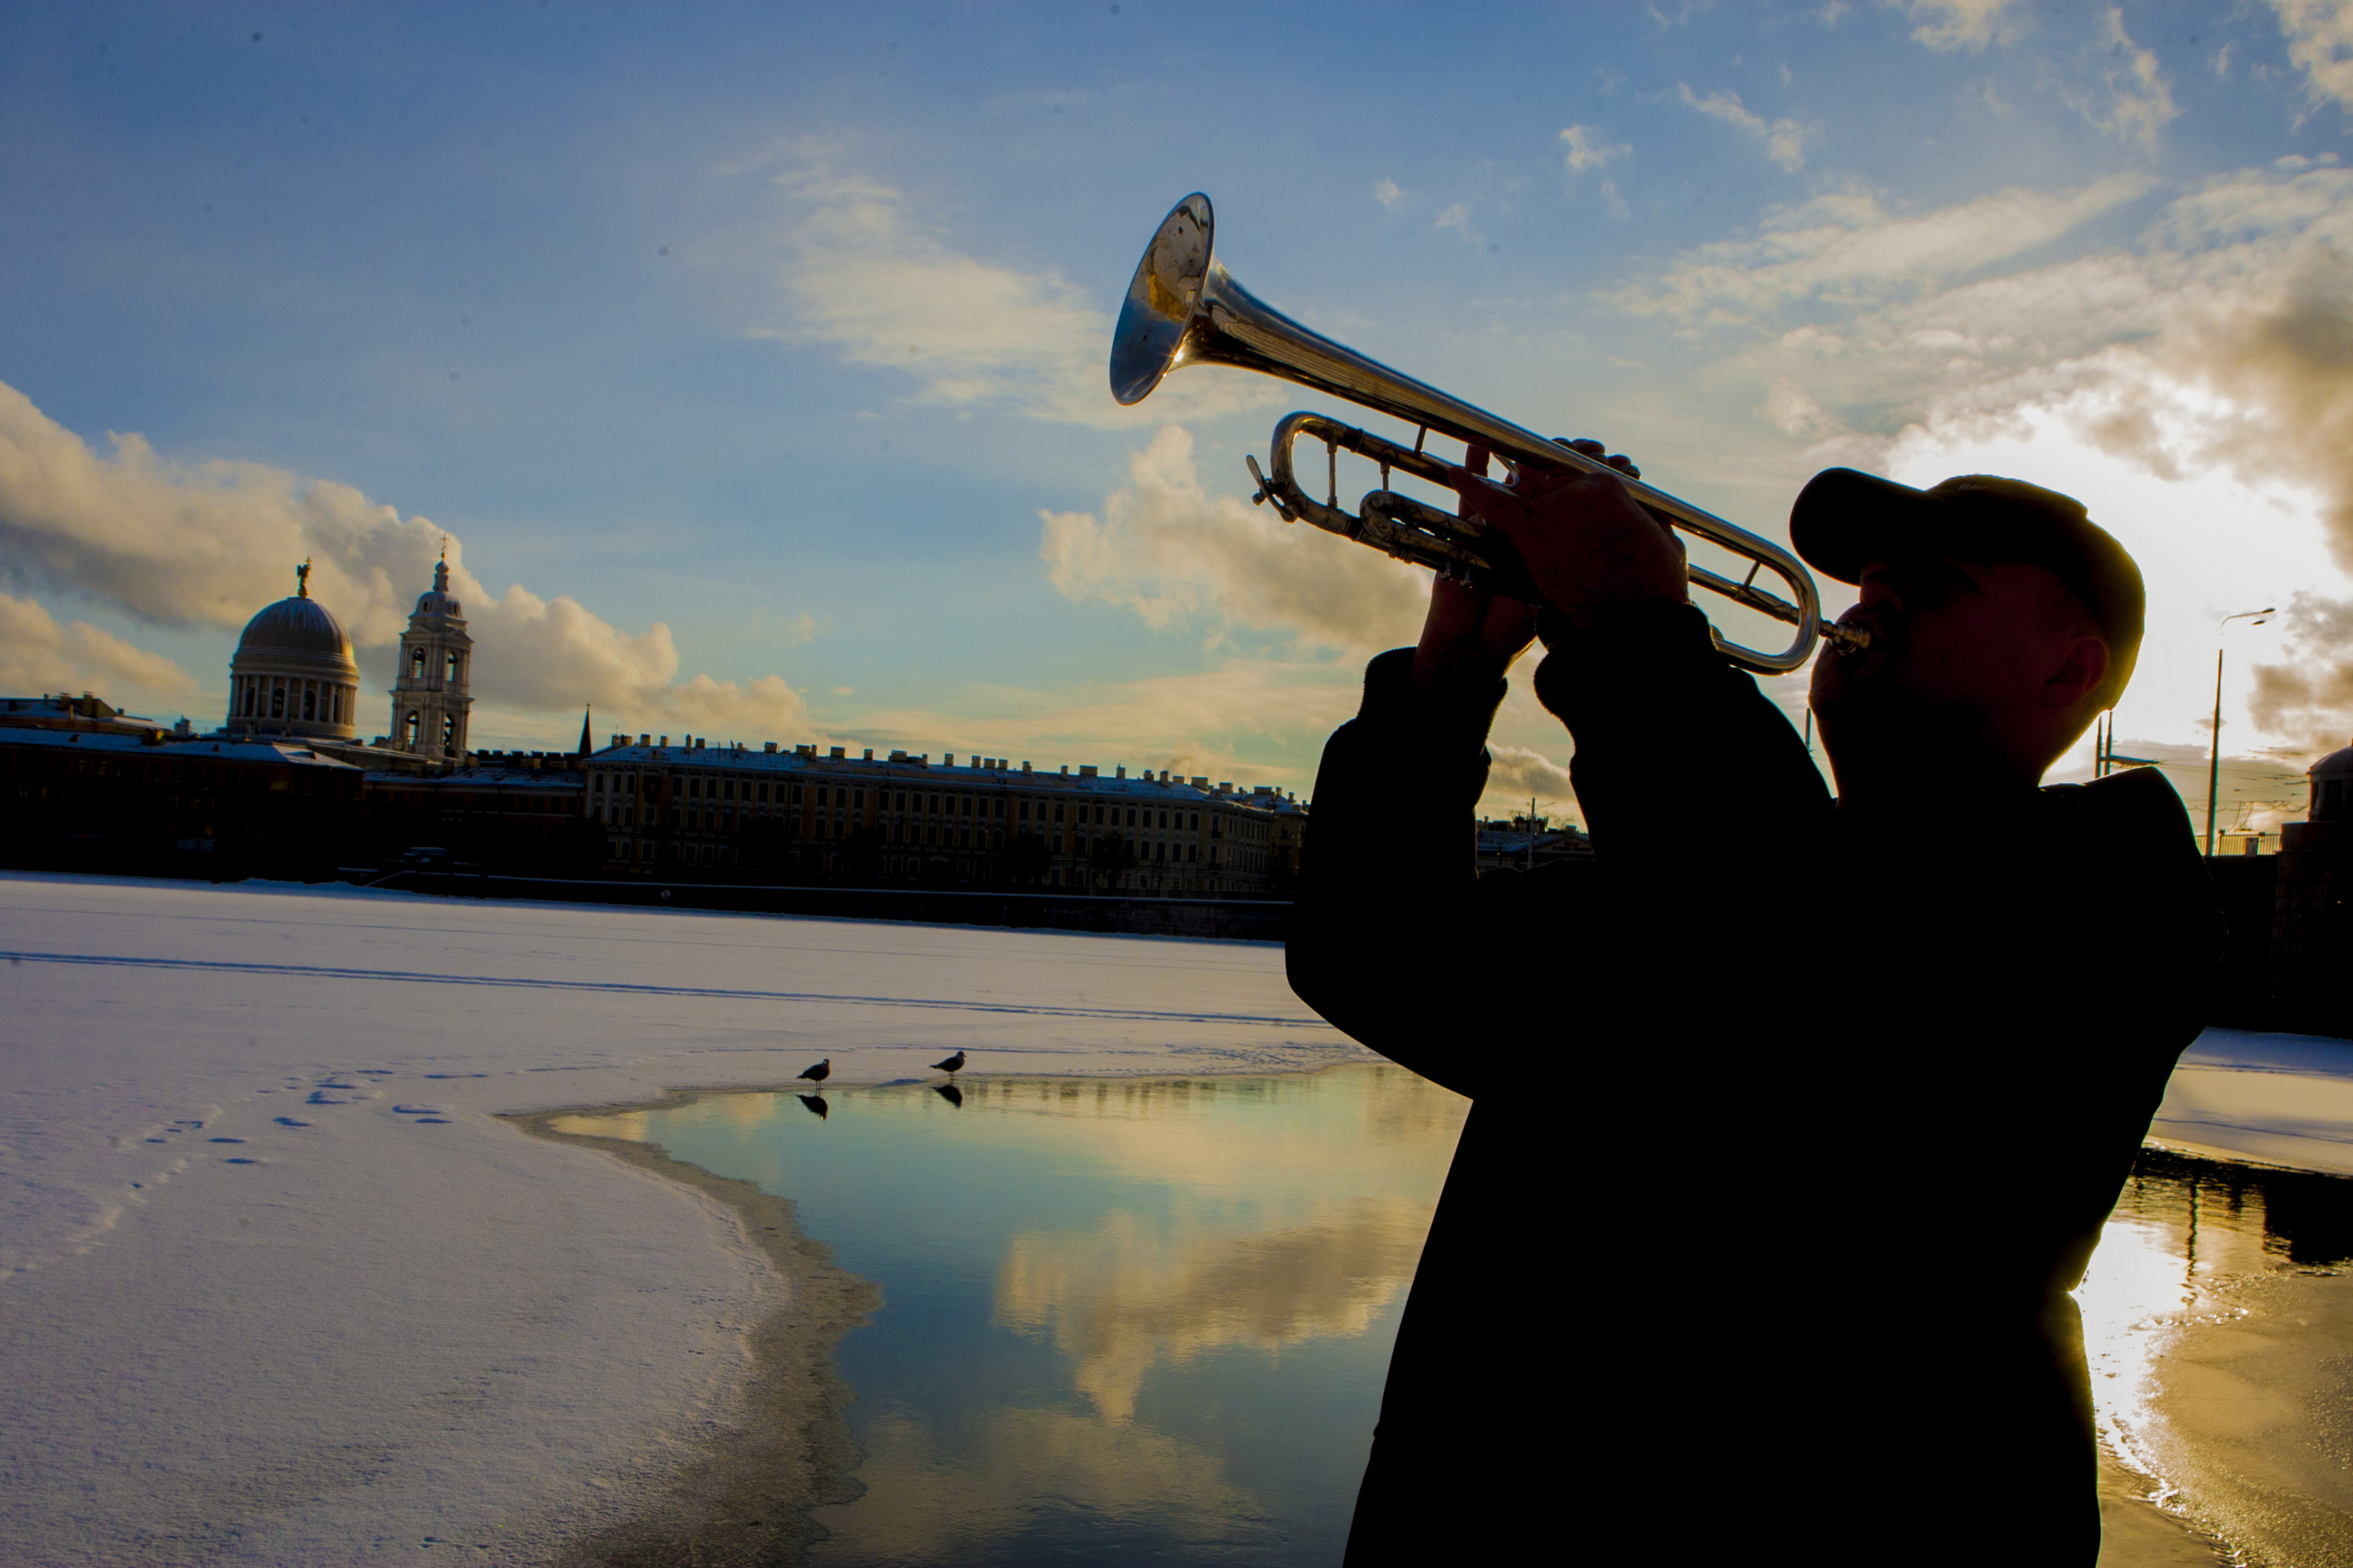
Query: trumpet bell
point(1150, 340)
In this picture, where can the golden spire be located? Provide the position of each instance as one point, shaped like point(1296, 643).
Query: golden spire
point(302, 579)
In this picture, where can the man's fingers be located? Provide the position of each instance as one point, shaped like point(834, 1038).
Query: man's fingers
point(1585, 447)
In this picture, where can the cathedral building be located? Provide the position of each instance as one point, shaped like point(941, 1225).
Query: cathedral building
point(430, 697)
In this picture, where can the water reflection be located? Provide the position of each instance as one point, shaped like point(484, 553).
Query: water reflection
point(1120, 1318)
point(1122, 1296)
point(815, 1104)
point(2219, 1320)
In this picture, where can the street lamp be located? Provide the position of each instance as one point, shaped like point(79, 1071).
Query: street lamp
point(2214, 743)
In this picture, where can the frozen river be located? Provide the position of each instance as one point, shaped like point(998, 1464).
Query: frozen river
point(278, 1284)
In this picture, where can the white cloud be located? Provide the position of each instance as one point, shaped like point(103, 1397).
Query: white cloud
point(1784, 139)
point(866, 278)
point(2138, 104)
point(208, 544)
point(37, 654)
point(1847, 249)
point(1590, 147)
point(1179, 557)
point(1518, 773)
point(2319, 44)
point(1389, 192)
point(1458, 218)
point(1972, 24)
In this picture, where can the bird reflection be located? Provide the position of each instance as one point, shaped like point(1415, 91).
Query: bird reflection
point(950, 1093)
point(815, 1103)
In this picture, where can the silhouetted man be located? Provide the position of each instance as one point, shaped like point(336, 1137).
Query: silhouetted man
point(1794, 1120)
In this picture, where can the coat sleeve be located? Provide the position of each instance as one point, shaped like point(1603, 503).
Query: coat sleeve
point(1397, 940)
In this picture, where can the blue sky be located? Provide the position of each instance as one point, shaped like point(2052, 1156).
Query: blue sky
point(752, 356)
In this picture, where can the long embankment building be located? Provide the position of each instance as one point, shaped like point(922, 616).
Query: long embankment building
point(906, 819)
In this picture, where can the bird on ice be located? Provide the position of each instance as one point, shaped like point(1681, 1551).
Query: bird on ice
point(954, 1064)
point(820, 1072)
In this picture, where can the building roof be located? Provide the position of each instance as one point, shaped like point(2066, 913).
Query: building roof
point(921, 770)
point(293, 752)
point(300, 624)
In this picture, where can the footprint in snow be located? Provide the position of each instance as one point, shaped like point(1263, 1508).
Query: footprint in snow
point(226, 1140)
point(289, 1121)
point(332, 1083)
point(457, 1075)
point(432, 1121)
point(240, 1160)
point(417, 1109)
point(320, 1097)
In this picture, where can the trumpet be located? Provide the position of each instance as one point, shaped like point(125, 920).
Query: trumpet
point(1183, 307)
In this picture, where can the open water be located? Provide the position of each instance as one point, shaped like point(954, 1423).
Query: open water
point(1122, 1320)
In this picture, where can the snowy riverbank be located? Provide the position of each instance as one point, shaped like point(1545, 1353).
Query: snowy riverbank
point(279, 1287)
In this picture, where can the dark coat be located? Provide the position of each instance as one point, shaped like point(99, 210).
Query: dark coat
point(1791, 1128)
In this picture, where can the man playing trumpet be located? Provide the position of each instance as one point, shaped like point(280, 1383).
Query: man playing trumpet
point(1796, 1119)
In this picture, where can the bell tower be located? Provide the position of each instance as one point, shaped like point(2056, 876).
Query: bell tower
point(429, 692)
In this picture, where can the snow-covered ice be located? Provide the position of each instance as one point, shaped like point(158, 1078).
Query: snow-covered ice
point(275, 1285)
point(2277, 1099)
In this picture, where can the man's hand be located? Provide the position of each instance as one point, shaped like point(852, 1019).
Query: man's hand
point(1471, 637)
point(1582, 538)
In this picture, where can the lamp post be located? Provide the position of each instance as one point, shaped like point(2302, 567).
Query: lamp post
point(2214, 744)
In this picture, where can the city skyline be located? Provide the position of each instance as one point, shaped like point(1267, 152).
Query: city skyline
point(751, 361)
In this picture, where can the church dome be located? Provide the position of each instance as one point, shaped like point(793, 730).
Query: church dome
point(297, 625)
point(293, 673)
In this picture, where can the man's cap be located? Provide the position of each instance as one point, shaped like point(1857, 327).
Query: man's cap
point(1843, 521)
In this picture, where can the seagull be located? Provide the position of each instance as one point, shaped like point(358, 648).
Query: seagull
point(819, 1073)
point(952, 1065)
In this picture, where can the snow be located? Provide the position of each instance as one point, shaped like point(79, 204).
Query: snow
point(276, 1285)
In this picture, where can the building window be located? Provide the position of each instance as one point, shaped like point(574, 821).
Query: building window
point(277, 700)
point(449, 734)
point(858, 799)
point(408, 727)
point(416, 665)
point(310, 700)
point(450, 673)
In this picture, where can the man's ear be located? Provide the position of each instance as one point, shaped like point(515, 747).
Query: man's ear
point(2079, 665)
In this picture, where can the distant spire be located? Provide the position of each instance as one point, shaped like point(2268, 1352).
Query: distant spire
point(585, 712)
point(302, 579)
